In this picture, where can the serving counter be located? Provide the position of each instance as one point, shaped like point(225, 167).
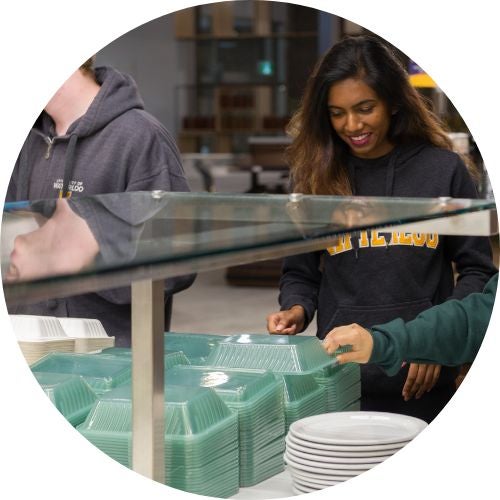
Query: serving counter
point(145, 237)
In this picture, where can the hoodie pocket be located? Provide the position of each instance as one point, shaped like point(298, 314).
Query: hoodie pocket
point(370, 315)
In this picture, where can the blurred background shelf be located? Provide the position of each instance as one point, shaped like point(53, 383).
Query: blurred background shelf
point(251, 62)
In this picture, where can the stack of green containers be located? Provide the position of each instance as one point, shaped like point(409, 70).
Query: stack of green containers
point(70, 394)
point(196, 347)
point(201, 437)
point(293, 355)
point(257, 397)
point(109, 424)
point(342, 384)
point(101, 373)
point(303, 397)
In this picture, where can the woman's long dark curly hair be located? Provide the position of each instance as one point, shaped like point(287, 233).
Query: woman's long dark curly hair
point(317, 156)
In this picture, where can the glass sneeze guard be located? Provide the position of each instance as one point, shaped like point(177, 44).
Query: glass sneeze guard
point(145, 237)
point(152, 235)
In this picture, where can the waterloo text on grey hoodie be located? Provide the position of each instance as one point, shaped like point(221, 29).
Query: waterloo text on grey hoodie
point(115, 146)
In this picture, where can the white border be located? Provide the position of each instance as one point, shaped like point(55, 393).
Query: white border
point(42, 43)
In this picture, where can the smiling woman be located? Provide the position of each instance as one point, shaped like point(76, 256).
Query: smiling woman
point(362, 129)
point(360, 118)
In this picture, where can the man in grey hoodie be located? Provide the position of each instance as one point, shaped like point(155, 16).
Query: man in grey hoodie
point(95, 137)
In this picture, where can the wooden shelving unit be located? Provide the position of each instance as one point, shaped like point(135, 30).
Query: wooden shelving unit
point(247, 78)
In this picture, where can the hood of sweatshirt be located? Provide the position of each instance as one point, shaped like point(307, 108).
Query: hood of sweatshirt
point(118, 94)
point(375, 177)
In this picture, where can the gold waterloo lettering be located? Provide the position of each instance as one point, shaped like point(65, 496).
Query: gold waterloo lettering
point(378, 239)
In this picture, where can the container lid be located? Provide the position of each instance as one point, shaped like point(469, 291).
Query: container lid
point(278, 353)
point(29, 327)
point(82, 327)
point(188, 410)
point(71, 395)
point(231, 384)
point(102, 373)
point(193, 345)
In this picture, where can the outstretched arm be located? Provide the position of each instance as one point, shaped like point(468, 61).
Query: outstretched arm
point(453, 331)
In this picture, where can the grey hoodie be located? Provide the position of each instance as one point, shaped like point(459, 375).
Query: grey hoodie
point(115, 147)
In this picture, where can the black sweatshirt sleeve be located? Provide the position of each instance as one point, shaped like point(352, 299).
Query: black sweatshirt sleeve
point(300, 282)
point(472, 255)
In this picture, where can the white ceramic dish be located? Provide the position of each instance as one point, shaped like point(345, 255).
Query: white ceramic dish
point(357, 428)
point(337, 471)
point(331, 459)
point(313, 484)
point(339, 466)
point(301, 490)
point(316, 476)
point(340, 451)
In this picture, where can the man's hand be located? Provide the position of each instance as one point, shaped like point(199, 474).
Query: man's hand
point(63, 244)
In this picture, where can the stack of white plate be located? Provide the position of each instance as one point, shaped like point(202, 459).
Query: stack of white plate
point(89, 334)
point(324, 450)
point(40, 335)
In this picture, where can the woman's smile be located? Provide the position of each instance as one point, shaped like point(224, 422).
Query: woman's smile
point(360, 140)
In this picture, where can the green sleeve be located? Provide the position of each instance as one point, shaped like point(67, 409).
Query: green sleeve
point(448, 334)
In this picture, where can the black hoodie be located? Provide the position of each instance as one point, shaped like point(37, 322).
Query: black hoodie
point(374, 277)
point(114, 147)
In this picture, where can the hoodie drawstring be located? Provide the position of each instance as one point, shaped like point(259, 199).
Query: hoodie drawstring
point(389, 188)
point(69, 166)
point(389, 179)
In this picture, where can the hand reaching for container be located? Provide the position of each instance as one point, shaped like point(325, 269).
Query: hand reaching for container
point(63, 244)
point(288, 322)
point(421, 379)
point(360, 340)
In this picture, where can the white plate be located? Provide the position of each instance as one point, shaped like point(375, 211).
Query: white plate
point(313, 484)
point(329, 465)
point(340, 451)
point(331, 459)
point(393, 447)
point(301, 490)
point(339, 472)
point(323, 479)
point(357, 428)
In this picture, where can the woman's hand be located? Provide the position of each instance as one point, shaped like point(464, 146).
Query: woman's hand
point(421, 379)
point(289, 322)
point(354, 335)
